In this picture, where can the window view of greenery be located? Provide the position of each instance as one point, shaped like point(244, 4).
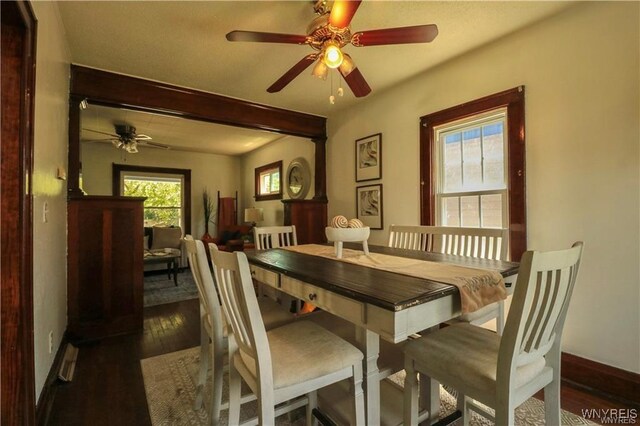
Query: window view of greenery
point(473, 186)
point(163, 206)
point(270, 182)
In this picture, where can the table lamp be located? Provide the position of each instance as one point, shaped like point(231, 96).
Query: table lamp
point(253, 215)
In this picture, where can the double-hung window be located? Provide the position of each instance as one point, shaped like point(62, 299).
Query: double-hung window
point(471, 172)
point(268, 184)
point(167, 192)
point(472, 166)
point(164, 195)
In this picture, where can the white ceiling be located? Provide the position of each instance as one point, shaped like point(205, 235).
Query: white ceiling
point(183, 43)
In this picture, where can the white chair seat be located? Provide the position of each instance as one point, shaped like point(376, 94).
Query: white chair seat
point(294, 345)
point(465, 356)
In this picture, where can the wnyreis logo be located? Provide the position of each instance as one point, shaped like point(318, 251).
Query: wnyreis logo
point(618, 416)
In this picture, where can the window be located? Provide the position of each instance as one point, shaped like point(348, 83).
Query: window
point(471, 181)
point(163, 206)
point(472, 163)
point(268, 185)
point(167, 192)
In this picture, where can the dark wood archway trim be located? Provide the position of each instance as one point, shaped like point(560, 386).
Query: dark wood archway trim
point(513, 99)
point(117, 169)
point(17, 388)
point(117, 90)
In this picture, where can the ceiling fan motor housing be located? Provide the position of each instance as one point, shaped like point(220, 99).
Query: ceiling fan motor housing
point(126, 131)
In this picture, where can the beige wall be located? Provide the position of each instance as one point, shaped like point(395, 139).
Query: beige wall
point(285, 149)
point(50, 238)
point(215, 172)
point(581, 71)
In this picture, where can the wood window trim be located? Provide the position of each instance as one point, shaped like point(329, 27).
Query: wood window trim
point(261, 169)
point(513, 100)
point(117, 170)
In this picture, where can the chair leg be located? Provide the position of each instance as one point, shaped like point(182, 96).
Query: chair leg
point(313, 403)
point(358, 395)
point(500, 318)
point(429, 396)
point(462, 406)
point(204, 367)
point(216, 394)
point(266, 410)
point(410, 417)
point(552, 390)
point(234, 393)
point(505, 414)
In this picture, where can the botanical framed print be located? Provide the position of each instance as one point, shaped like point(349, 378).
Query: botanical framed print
point(369, 205)
point(369, 158)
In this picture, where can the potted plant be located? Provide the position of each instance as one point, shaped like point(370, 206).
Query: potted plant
point(208, 204)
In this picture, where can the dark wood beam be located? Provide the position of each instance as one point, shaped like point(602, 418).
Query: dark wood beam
point(121, 91)
point(320, 181)
point(111, 89)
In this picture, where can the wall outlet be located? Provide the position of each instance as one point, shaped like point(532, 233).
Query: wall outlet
point(51, 341)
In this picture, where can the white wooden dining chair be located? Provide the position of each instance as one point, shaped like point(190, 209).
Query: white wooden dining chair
point(482, 243)
point(267, 237)
point(502, 372)
point(213, 327)
point(288, 362)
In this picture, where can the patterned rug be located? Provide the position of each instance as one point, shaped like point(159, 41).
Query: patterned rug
point(159, 289)
point(170, 379)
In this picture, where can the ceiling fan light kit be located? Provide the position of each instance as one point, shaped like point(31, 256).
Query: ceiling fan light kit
point(328, 34)
point(127, 139)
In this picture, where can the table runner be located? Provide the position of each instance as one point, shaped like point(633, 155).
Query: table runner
point(477, 287)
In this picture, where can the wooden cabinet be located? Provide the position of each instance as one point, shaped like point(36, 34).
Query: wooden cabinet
point(309, 217)
point(104, 266)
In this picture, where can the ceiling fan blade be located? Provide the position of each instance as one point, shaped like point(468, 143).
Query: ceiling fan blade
point(356, 82)
point(142, 137)
point(266, 37)
point(292, 73)
point(97, 140)
point(402, 35)
point(157, 145)
point(342, 12)
point(102, 133)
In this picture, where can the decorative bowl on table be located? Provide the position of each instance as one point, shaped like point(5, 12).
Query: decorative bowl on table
point(341, 235)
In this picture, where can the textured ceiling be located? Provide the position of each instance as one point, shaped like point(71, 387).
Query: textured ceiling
point(183, 43)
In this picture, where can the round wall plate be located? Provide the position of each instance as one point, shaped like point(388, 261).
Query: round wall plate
point(298, 178)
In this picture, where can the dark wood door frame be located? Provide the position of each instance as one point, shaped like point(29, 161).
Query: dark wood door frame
point(17, 392)
point(121, 91)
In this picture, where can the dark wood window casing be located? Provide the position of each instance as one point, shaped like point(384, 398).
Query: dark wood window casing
point(259, 171)
point(513, 100)
point(118, 169)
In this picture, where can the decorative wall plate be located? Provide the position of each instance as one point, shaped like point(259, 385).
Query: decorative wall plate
point(298, 178)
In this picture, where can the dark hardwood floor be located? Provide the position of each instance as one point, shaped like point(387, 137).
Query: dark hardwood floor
point(107, 388)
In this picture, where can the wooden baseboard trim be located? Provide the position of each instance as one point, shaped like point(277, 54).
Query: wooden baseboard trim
point(613, 382)
point(45, 401)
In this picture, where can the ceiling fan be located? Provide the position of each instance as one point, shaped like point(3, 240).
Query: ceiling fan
point(328, 34)
point(127, 139)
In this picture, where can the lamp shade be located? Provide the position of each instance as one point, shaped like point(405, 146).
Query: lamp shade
point(253, 215)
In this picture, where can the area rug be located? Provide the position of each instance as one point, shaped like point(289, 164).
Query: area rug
point(159, 289)
point(170, 384)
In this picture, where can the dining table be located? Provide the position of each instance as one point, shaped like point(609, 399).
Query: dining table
point(381, 304)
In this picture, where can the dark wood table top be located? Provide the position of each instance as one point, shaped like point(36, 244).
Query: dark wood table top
point(385, 289)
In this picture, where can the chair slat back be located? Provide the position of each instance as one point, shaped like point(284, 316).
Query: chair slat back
point(209, 300)
point(484, 243)
point(241, 306)
point(267, 237)
point(540, 303)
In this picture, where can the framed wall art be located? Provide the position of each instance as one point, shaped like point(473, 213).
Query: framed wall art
point(369, 158)
point(369, 205)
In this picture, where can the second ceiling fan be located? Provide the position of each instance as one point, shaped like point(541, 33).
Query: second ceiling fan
point(328, 34)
